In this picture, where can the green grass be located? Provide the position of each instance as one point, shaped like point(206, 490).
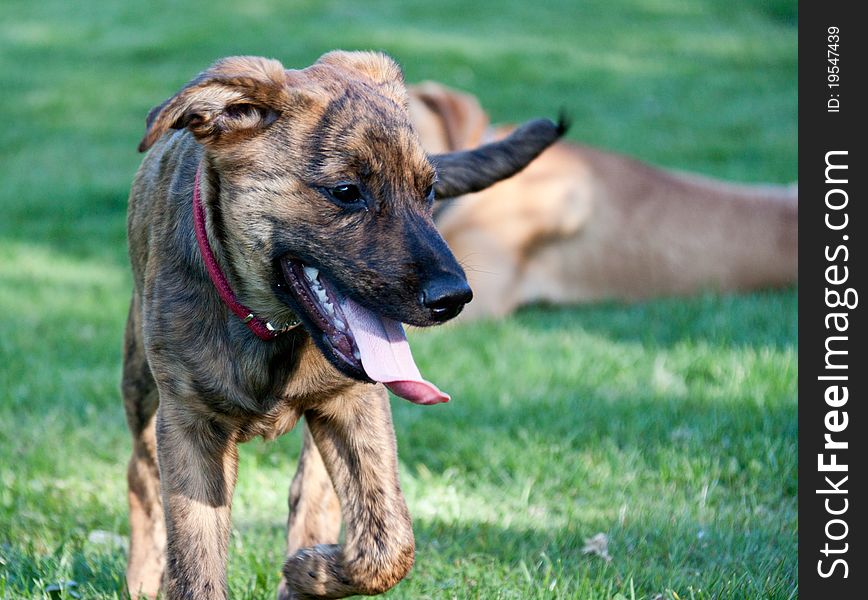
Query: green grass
point(669, 425)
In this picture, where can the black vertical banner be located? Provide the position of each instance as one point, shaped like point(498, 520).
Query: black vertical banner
point(833, 426)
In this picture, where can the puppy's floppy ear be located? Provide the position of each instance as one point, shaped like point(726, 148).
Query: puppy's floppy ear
point(237, 94)
point(473, 170)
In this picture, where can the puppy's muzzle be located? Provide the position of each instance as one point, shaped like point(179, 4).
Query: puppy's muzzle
point(445, 296)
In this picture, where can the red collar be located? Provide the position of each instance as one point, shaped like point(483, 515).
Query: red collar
point(262, 328)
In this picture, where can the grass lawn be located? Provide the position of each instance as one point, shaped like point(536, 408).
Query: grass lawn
point(669, 426)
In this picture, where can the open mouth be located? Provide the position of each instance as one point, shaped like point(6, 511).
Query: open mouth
point(321, 304)
point(357, 341)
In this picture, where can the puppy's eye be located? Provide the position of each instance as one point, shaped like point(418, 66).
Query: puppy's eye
point(429, 192)
point(346, 193)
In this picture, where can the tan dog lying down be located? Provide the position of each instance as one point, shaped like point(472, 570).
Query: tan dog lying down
point(580, 224)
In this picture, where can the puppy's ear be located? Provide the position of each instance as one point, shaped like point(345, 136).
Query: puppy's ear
point(378, 68)
point(463, 120)
point(473, 170)
point(236, 95)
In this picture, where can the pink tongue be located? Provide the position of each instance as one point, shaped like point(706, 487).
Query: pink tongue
point(386, 355)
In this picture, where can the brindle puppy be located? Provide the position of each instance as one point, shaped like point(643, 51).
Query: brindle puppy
point(289, 195)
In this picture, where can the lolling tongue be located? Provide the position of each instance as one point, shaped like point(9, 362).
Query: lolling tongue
point(386, 355)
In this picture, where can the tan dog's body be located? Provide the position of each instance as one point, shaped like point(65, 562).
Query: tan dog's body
point(321, 166)
point(580, 224)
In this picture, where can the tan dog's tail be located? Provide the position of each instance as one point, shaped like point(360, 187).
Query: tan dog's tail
point(469, 171)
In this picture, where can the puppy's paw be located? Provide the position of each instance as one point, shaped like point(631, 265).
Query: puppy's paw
point(315, 572)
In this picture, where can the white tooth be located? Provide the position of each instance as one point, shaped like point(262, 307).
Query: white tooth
point(340, 322)
point(329, 308)
point(311, 273)
point(321, 294)
point(356, 354)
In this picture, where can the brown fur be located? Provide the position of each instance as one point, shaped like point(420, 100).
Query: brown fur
point(581, 224)
point(196, 382)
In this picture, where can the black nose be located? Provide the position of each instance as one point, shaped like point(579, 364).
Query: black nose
point(446, 296)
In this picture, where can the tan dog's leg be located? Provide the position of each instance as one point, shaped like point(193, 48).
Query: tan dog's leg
point(198, 465)
point(314, 509)
point(147, 529)
point(355, 437)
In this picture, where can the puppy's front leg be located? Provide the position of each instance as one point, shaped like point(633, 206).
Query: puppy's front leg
point(314, 509)
point(355, 437)
point(198, 464)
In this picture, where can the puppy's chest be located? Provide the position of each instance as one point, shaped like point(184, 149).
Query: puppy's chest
point(295, 383)
point(281, 419)
point(307, 388)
